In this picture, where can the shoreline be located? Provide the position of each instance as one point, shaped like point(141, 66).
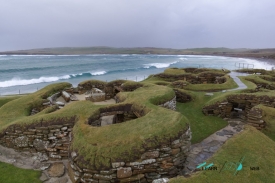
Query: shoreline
point(263, 60)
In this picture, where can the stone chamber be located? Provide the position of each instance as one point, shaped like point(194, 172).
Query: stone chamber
point(159, 154)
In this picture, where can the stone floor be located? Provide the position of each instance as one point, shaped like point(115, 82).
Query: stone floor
point(52, 171)
point(200, 152)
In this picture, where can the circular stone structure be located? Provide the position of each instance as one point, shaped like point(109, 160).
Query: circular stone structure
point(152, 146)
point(149, 140)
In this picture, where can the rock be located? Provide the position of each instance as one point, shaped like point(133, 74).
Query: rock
point(150, 155)
point(21, 141)
point(118, 164)
point(59, 103)
point(43, 177)
point(56, 170)
point(39, 145)
point(209, 94)
point(162, 180)
point(103, 177)
point(152, 175)
point(42, 156)
point(132, 179)
point(124, 172)
point(46, 103)
point(45, 166)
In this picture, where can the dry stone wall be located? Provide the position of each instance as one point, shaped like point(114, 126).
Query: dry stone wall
point(202, 78)
point(243, 107)
point(162, 162)
point(171, 104)
point(52, 140)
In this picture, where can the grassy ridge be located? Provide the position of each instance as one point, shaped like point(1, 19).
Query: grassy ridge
point(4, 100)
point(158, 125)
point(18, 110)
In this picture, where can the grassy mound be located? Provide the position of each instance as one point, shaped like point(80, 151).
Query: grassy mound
point(248, 143)
point(4, 100)
point(127, 141)
point(100, 145)
point(18, 110)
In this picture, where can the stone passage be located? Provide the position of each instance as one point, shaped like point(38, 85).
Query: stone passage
point(163, 162)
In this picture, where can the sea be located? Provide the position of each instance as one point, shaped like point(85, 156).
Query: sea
point(21, 74)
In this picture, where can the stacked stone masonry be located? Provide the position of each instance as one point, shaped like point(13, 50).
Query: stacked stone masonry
point(203, 78)
point(163, 162)
point(171, 104)
point(242, 106)
point(53, 141)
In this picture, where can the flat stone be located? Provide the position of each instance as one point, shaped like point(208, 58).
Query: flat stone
point(124, 172)
point(132, 179)
point(21, 141)
point(162, 180)
point(209, 94)
point(59, 103)
point(42, 156)
point(213, 149)
point(45, 166)
point(43, 177)
point(118, 164)
point(56, 170)
point(150, 155)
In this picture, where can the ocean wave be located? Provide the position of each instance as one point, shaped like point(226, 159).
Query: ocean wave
point(159, 65)
point(98, 73)
point(18, 81)
point(24, 69)
point(183, 58)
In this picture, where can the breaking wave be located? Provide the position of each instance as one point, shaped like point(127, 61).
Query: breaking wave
point(18, 81)
point(159, 65)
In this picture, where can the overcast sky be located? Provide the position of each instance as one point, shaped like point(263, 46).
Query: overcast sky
point(26, 24)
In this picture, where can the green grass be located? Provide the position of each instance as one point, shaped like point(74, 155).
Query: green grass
point(174, 71)
point(269, 118)
point(258, 150)
point(18, 110)
point(201, 126)
point(159, 125)
point(6, 99)
point(12, 174)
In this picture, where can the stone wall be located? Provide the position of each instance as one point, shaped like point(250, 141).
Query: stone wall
point(202, 78)
point(162, 162)
point(52, 140)
point(243, 107)
point(182, 96)
point(96, 97)
point(171, 104)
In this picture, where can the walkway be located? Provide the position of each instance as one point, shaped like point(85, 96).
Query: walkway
point(234, 76)
point(200, 152)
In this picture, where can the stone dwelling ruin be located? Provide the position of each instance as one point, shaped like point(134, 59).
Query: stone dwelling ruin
point(140, 157)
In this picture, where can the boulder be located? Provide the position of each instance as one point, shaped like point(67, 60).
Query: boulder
point(124, 172)
point(56, 170)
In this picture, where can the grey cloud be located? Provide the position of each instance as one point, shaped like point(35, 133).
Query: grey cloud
point(123, 23)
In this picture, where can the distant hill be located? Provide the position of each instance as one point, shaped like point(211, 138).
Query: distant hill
point(241, 52)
